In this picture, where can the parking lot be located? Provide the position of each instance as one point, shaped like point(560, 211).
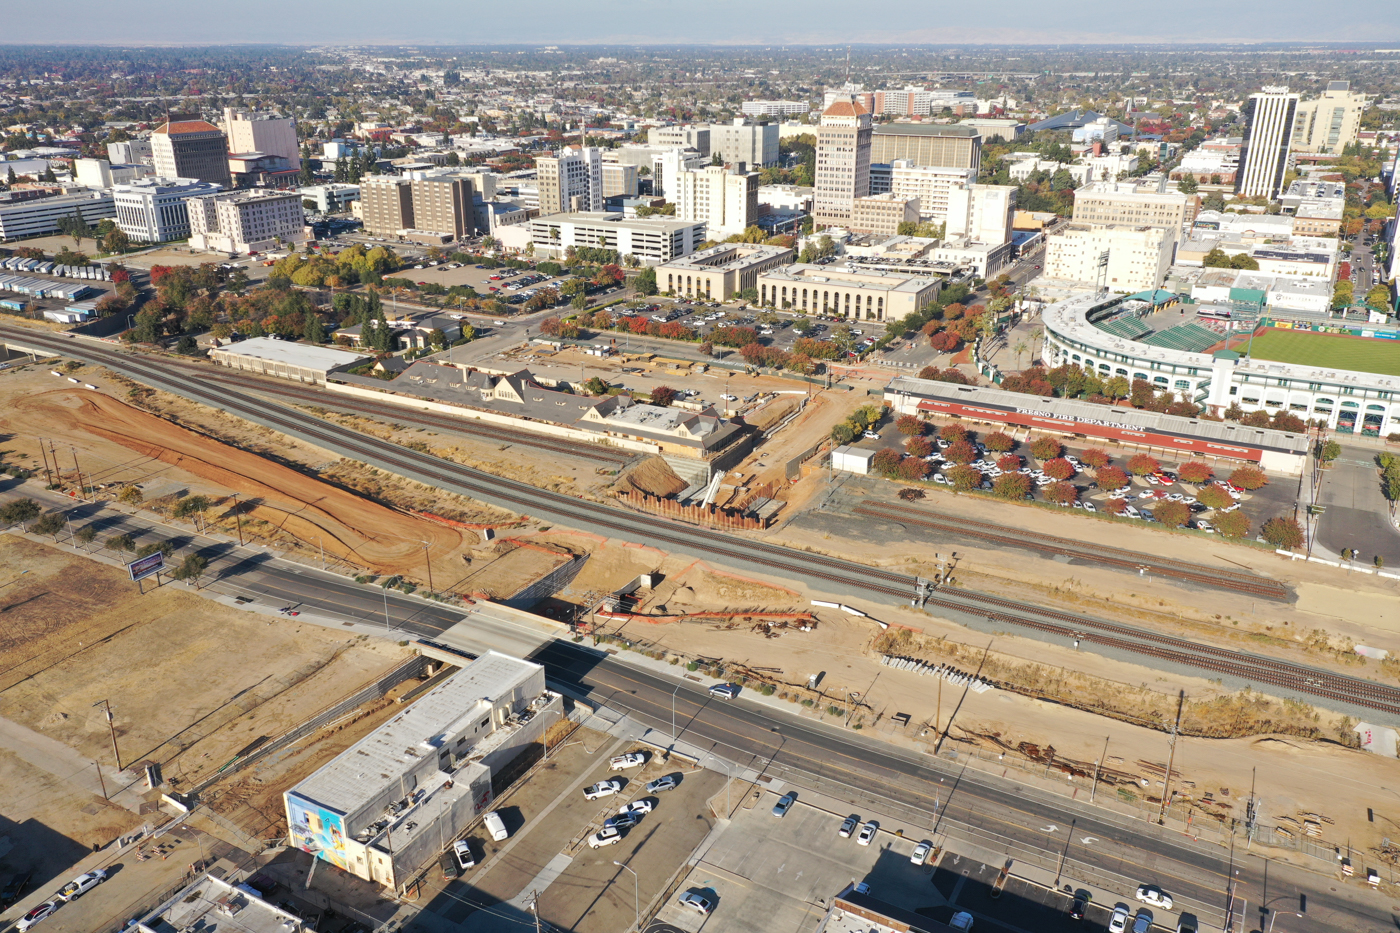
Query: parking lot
point(547, 858)
point(1275, 498)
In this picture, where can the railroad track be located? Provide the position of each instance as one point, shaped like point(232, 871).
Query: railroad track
point(641, 528)
point(1253, 669)
point(1249, 584)
point(301, 394)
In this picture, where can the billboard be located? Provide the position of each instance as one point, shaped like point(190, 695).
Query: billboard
point(143, 567)
point(317, 830)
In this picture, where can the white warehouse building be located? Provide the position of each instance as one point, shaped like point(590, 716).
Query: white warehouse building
point(1349, 402)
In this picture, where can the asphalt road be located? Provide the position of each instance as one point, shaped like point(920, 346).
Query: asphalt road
point(752, 735)
point(1357, 515)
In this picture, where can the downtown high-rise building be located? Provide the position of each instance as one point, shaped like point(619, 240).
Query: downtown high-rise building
point(843, 162)
point(570, 180)
point(1268, 137)
point(185, 148)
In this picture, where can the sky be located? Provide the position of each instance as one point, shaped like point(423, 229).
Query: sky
point(729, 22)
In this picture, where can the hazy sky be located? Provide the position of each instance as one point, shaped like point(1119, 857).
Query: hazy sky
point(451, 22)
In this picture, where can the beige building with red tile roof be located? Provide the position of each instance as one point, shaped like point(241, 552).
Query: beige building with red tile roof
point(843, 162)
point(191, 149)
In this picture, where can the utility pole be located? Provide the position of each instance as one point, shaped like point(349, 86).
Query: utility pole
point(45, 454)
point(1098, 764)
point(107, 708)
point(78, 470)
point(534, 908)
point(427, 559)
point(101, 780)
point(1171, 756)
point(237, 516)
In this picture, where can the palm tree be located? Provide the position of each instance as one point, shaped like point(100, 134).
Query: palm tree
point(1019, 350)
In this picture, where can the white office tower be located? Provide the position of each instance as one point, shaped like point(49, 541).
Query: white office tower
point(1268, 137)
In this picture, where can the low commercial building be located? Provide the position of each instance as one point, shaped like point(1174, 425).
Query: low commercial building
point(247, 221)
point(651, 240)
point(1186, 437)
point(881, 214)
point(99, 173)
point(386, 806)
point(156, 210)
point(1318, 217)
point(1122, 258)
point(1111, 203)
point(261, 170)
point(285, 359)
point(24, 216)
point(213, 905)
point(857, 296)
point(720, 272)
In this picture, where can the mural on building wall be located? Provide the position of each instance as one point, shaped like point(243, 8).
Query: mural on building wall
point(317, 830)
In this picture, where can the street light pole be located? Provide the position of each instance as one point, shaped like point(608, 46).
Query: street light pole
point(673, 714)
point(636, 898)
point(428, 559)
point(386, 606)
point(1102, 758)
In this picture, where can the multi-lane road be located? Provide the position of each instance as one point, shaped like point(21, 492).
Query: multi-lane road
point(992, 810)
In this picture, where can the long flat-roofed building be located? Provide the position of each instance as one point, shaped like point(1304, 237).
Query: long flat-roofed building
point(953, 145)
point(285, 359)
point(385, 806)
point(212, 905)
point(857, 296)
point(720, 272)
point(651, 239)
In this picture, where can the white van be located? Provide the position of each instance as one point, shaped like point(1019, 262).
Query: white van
point(495, 827)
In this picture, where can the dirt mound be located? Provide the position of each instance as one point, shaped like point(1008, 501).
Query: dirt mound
point(654, 477)
point(359, 530)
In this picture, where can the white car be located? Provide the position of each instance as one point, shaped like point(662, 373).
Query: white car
point(871, 436)
point(34, 916)
point(867, 832)
point(696, 902)
point(1118, 922)
point(1089, 507)
point(602, 789)
point(1151, 894)
point(920, 853)
point(82, 885)
point(604, 837)
point(629, 760)
point(636, 807)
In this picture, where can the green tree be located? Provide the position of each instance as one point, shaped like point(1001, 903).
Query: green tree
point(120, 543)
point(644, 282)
point(85, 534)
point(1283, 533)
point(191, 568)
point(50, 523)
point(1188, 185)
point(312, 330)
point(131, 496)
point(75, 225)
point(1378, 298)
point(190, 505)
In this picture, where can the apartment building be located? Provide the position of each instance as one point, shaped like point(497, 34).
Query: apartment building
point(774, 108)
point(954, 145)
point(262, 132)
point(856, 296)
point(1124, 258)
point(754, 144)
point(652, 240)
point(246, 221)
point(720, 272)
point(981, 213)
point(1270, 118)
point(931, 185)
point(619, 180)
point(1331, 122)
point(570, 180)
point(23, 216)
point(443, 205)
point(687, 137)
point(913, 101)
point(155, 210)
point(843, 162)
point(881, 214)
point(191, 149)
point(725, 199)
point(386, 204)
point(1111, 203)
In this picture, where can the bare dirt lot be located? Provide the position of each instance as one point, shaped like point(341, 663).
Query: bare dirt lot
point(190, 682)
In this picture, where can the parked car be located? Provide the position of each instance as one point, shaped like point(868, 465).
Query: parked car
point(82, 885)
point(1118, 921)
point(35, 915)
point(449, 866)
point(867, 832)
point(920, 853)
point(1142, 922)
point(696, 902)
point(1151, 894)
point(669, 782)
point(1080, 905)
point(784, 804)
point(629, 760)
point(625, 820)
point(636, 807)
point(848, 826)
point(724, 691)
point(1187, 923)
point(607, 836)
point(462, 852)
point(15, 886)
point(602, 789)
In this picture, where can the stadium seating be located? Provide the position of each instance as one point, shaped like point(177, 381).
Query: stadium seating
point(1193, 338)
